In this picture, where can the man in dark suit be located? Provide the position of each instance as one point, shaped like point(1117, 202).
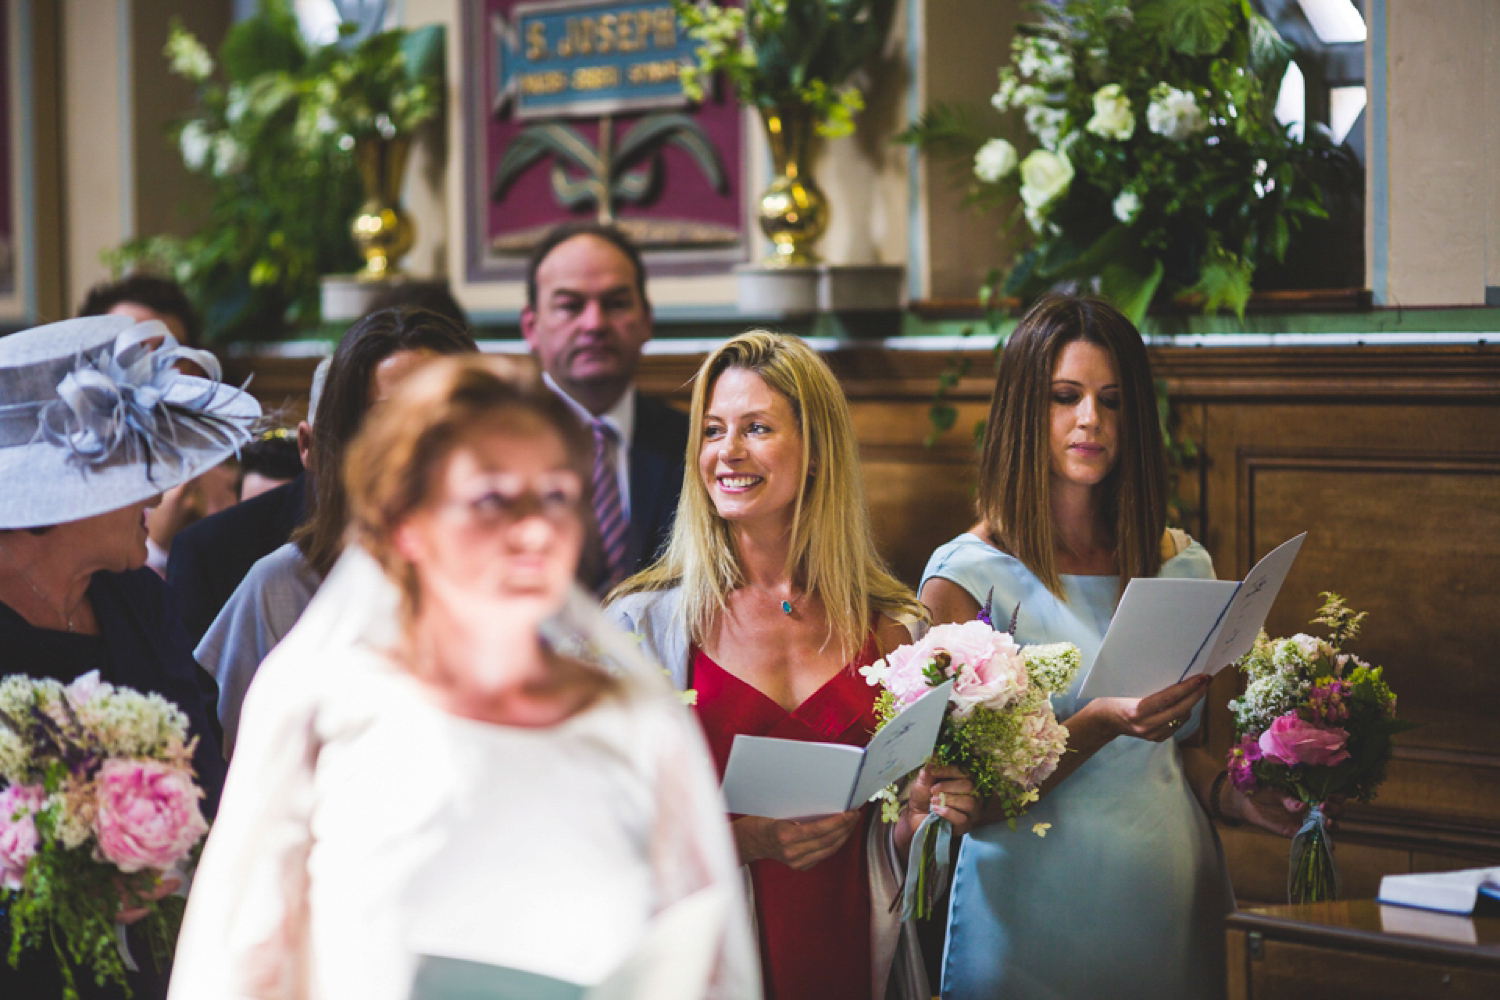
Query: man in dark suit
point(587, 318)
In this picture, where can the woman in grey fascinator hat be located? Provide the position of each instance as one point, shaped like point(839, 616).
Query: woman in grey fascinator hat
point(94, 424)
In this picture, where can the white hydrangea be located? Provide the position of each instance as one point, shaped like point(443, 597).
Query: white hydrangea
point(1005, 97)
point(237, 103)
point(995, 160)
point(188, 58)
point(229, 156)
point(1127, 206)
point(1052, 666)
point(1174, 113)
point(1046, 124)
point(1113, 117)
point(197, 143)
point(1043, 58)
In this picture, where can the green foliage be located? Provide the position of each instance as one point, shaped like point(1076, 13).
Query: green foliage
point(1343, 624)
point(1191, 27)
point(776, 53)
point(273, 142)
point(266, 43)
point(1159, 167)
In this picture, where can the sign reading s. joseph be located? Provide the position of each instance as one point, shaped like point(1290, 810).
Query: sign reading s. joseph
point(576, 111)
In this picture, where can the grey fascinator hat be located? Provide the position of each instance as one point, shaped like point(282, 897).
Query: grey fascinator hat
point(93, 417)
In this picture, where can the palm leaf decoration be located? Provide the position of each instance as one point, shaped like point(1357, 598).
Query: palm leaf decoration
point(583, 174)
point(644, 144)
point(554, 139)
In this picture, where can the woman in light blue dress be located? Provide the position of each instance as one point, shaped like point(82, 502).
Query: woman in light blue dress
point(1126, 894)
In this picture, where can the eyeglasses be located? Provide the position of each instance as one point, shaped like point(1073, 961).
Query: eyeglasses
point(499, 500)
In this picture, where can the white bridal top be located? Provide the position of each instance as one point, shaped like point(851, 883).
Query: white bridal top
point(362, 828)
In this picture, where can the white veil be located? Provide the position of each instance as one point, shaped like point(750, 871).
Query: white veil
point(234, 917)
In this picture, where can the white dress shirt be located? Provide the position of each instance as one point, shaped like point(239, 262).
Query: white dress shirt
point(621, 417)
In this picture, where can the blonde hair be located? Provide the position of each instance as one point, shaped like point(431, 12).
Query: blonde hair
point(832, 553)
point(392, 465)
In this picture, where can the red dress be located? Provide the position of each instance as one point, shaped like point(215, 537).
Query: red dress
point(814, 925)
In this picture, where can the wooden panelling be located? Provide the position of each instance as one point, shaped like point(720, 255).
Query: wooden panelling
point(1389, 457)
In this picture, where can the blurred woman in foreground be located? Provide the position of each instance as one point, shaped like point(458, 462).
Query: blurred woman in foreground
point(423, 777)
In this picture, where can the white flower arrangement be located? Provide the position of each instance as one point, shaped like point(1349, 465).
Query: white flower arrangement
point(1186, 182)
point(1174, 113)
point(1126, 206)
point(994, 160)
point(1113, 117)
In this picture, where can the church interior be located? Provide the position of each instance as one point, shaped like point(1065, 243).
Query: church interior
point(1321, 313)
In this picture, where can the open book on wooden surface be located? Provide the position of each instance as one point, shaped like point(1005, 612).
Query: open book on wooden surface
point(1167, 630)
point(794, 779)
point(1452, 892)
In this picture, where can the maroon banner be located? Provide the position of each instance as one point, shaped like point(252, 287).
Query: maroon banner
point(667, 171)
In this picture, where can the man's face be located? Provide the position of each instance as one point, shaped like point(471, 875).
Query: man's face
point(589, 323)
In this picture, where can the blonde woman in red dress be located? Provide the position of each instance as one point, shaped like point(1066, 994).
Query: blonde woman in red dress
point(767, 599)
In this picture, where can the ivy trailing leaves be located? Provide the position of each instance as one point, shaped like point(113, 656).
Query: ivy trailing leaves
point(1159, 168)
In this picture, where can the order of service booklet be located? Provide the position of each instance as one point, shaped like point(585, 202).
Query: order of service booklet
point(793, 779)
point(673, 961)
point(1453, 892)
point(1167, 630)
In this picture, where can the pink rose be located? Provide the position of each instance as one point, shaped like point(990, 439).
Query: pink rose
point(1293, 740)
point(904, 678)
point(148, 815)
point(18, 831)
point(989, 669)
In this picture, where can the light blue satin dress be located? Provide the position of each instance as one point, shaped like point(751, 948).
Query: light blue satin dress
point(1126, 894)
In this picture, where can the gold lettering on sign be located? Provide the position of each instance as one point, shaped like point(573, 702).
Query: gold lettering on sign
point(596, 77)
point(536, 41)
point(550, 82)
point(625, 38)
point(660, 71)
point(666, 28)
point(606, 38)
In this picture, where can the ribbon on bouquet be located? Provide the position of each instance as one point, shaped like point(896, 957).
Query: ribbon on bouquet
point(122, 945)
point(1314, 828)
point(919, 883)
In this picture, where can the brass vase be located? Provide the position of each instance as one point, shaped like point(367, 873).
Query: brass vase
point(382, 230)
point(793, 212)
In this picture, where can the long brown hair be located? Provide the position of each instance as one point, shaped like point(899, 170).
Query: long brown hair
point(1015, 468)
point(832, 553)
point(342, 407)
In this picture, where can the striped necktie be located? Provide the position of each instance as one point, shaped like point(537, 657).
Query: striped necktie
point(609, 509)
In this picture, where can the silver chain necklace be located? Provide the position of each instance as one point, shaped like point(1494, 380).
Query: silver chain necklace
point(67, 618)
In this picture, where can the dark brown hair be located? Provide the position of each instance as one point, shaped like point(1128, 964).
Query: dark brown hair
point(342, 408)
point(1015, 468)
point(394, 461)
point(161, 295)
point(565, 232)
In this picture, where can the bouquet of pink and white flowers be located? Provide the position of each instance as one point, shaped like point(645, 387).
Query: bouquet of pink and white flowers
point(99, 798)
point(999, 728)
point(1314, 723)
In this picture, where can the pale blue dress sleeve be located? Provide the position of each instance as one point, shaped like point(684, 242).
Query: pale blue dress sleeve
point(1125, 897)
point(257, 616)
